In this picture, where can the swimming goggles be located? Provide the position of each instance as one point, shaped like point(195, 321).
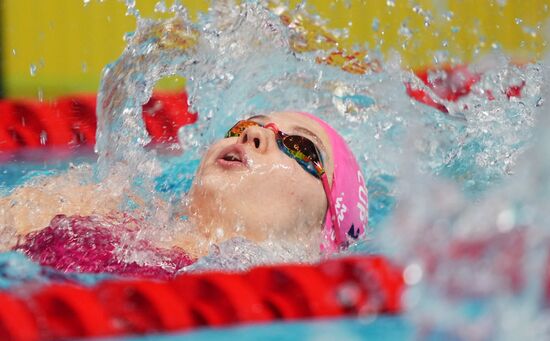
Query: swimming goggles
point(299, 148)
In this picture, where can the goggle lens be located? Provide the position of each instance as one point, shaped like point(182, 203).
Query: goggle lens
point(238, 128)
point(301, 147)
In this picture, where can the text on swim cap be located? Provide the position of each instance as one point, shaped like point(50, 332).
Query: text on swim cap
point(341, 208)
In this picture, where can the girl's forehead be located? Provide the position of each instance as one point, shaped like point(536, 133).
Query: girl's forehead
point(296, 123)
point(289, 121)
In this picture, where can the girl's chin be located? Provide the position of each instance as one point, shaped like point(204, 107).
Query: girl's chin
point(220, 183)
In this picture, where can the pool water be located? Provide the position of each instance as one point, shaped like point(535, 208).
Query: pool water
point(17, 173)
point(458, 197)
point(379, 328)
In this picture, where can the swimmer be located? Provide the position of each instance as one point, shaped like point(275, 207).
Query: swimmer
point(286, 177)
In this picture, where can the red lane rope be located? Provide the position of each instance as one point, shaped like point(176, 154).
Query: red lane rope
point(71, 121)
point(348, 286)
point(17, 322)
point(450, 84)
point(79, 113)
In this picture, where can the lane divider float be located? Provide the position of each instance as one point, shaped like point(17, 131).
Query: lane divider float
point(352, 286)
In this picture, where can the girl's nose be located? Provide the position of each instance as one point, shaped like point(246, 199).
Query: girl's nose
point(256, 137)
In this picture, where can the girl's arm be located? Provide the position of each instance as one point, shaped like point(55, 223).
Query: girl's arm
point(31, 207)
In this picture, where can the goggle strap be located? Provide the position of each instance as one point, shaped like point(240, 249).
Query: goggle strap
point(273, 127)
point(331, 207)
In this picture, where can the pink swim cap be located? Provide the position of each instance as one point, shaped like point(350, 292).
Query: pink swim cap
point(349, 194)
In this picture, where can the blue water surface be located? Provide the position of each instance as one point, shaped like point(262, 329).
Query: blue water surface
point(382, 328)
point(15, 173)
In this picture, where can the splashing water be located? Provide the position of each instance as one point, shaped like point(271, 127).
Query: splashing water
point(470, 187)
point(475, 248)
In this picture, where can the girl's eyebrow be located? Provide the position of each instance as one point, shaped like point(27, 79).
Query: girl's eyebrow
point(262, 117)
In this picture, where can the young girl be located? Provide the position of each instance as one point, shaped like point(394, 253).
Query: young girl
point(287, 177)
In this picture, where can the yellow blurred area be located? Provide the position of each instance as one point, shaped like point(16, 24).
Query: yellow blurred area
point(464, 29)
point(55, 47)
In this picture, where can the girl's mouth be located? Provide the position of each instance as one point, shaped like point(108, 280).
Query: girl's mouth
point(232, 156)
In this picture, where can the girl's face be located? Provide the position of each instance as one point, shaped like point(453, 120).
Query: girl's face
point(246, 186)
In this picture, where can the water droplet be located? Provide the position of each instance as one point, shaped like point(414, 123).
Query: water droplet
point(40, 95)
point(160, 7)
point(448, 15)
point(43, 137)
point(455, 29)
point(530, 31)
point(412, 274)
point(13, 52)
point(128, 36)
point(506, 220)
point(518, 21)
point(427, 21)
point(390, 3)
point(405, 32)
point(84, 67)
point(32, 70)
point(441, 57)
point(86, 2)
point(375, 24)
point(131, 9)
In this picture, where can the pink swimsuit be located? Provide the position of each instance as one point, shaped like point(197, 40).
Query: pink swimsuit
point(97, 244)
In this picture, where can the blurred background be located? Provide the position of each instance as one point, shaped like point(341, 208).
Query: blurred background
point(59, 47)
